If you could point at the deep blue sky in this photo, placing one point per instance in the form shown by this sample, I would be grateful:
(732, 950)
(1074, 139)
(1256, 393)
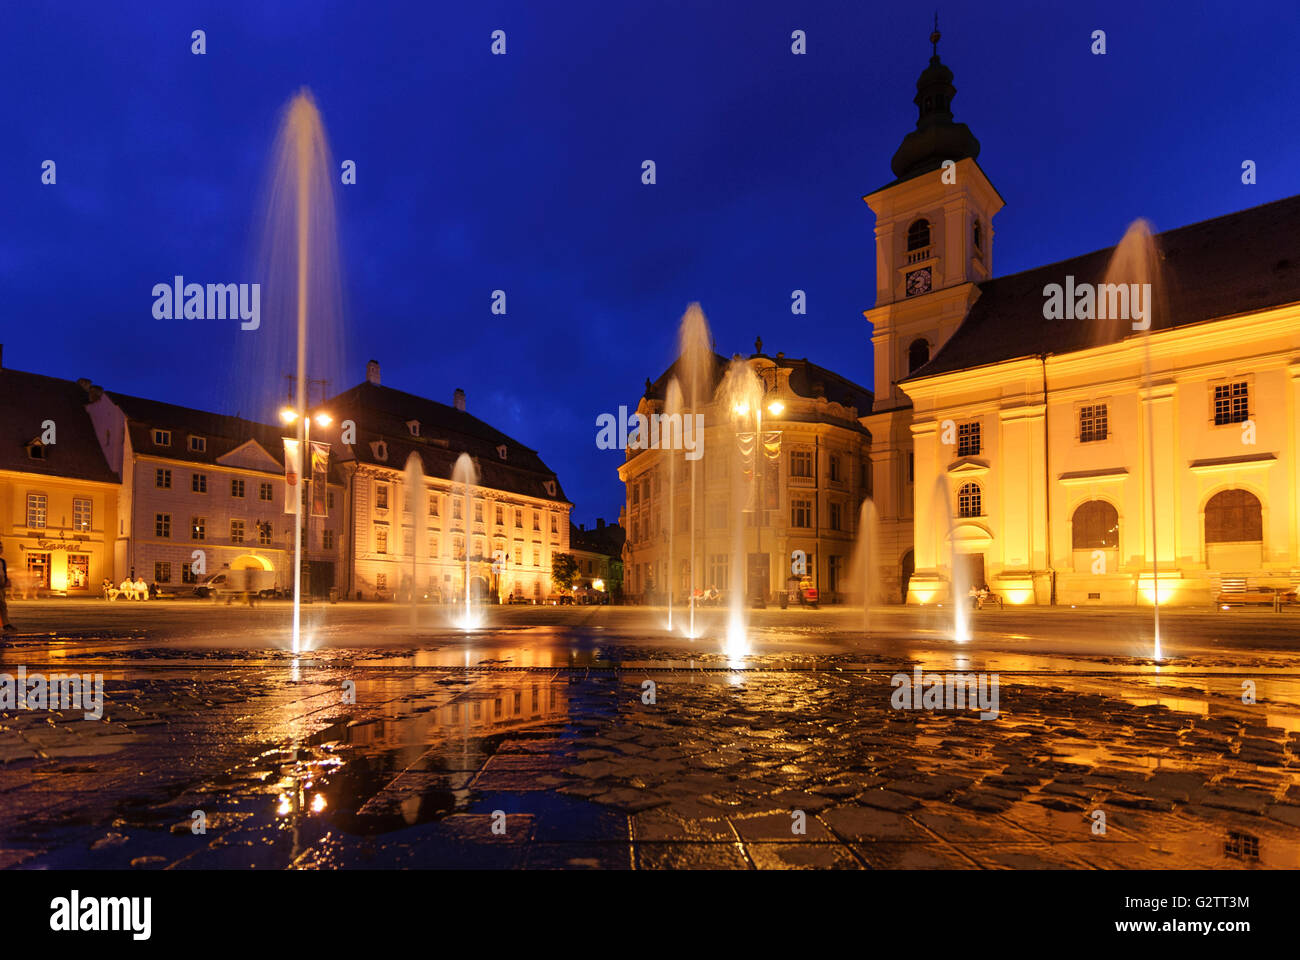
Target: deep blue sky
(522, 172)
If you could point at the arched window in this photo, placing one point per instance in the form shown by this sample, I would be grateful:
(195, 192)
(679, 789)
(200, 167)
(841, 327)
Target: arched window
(918, 235)
(1234, 516)
(969, 500)
(979, 239)
(1095, 526)
(918, 354)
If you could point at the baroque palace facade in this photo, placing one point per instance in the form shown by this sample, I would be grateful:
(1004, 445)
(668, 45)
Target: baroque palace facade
(1056, 461)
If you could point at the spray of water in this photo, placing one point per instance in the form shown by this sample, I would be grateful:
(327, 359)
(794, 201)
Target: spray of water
(464, 477)
(862, 569)
(415, 506)
(742, 393)
(696, 365)
(673, 408)
(957, 571)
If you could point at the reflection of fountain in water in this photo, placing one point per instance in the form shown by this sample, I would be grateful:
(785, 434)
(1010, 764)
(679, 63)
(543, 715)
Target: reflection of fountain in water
(696, 360)
(958, 587)
(742, 393)
(1136, 261)
(669, 444)
(862, 570)
(465, 475)
(415, 505)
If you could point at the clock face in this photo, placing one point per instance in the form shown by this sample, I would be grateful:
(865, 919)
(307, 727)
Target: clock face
(918, 281)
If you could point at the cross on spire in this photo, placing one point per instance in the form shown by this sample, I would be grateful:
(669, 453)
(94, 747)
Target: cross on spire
(934, 37)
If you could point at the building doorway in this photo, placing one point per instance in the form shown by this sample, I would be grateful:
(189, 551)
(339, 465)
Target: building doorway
(971, 567)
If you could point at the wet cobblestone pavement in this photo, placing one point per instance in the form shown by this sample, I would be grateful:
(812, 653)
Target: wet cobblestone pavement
(494, 764)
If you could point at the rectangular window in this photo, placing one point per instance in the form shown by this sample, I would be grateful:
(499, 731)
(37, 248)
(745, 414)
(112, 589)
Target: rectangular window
(836, 517)
(478, 511)
(162, 438)
(537, 520)
(81, 510)
(519, 556)
(38, 570)
(501, 515)
(719, 571)
(327, 539)
(236, 531)
(835, 468)
(78, 571)
(329, 500)
(1094, 423)
(199, 483)
(433, 504)
(236, 487)
(801, 463)
(968, 439)
(36, 510)
(264, 533)
(162, 479)
(162, 571)
(187, 573)
(537, 558)
(198, 528)
(834, 571)
(265, 492)
(457, 508)
(162, 525)
(381, 581)
(801, 513)
(198, 444)
(519, 519)
(1231, 402)
(381, 496)
(433, 545)
(381, 539)
(555, 524)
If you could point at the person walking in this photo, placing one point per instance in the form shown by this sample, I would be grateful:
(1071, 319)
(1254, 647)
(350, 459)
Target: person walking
(5, 624)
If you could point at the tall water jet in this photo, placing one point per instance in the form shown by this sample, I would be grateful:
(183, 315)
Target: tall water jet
(958, 587)
(299, 276)
(696, 359)
(1135, 264)
(862, 569)
(742, 392)
(415, 505)
(669, 445)
(465, 476)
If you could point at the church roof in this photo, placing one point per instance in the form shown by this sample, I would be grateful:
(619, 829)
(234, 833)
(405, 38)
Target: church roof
(1239, 263)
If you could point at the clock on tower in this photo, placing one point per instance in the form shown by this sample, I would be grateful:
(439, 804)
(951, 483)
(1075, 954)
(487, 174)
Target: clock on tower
(918, 282)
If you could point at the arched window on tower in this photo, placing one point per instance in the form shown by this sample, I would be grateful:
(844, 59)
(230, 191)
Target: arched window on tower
(1234, 516)
(969, 500)
(918, 355)
(979, 239)
(918, 235)
(1095, 526)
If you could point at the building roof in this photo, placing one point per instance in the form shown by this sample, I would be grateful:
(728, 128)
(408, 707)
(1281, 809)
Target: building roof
(1238, 263)
(222, 433)
(606, 539)
(382, 413)
(29, 399)
(807, 379)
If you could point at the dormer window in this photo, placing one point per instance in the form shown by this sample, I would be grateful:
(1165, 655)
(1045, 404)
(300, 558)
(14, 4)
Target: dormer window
(414, 427)
(36, 450)
(379, 450)
(918, 235)
(550, 487)
(501, 451)
(198, 444)
(162, 438)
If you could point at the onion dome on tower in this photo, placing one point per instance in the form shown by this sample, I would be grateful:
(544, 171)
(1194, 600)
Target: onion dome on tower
(936, 138)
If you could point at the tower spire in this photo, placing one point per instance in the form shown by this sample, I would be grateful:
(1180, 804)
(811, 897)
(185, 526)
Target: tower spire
(934, 37)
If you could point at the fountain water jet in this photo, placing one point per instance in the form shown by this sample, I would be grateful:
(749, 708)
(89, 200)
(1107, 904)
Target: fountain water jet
(1136, 261)
(673, 408)
(957, 574)
(863, 571)
(696, 358)
(415, 504)
(465, 474)
(742, 392)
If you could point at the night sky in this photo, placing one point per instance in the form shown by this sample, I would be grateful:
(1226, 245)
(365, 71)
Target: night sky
(523, 172)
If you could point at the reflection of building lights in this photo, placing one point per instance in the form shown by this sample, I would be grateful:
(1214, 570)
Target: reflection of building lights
(285, 806)
(598, 584)
(776, 408)
(318, 803)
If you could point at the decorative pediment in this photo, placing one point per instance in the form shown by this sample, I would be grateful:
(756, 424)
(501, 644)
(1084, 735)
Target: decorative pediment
(1252, 461)
(1107, 475)
(968, 467)
(250, 455)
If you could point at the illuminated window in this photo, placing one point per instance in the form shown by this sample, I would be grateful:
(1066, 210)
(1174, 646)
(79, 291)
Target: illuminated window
(1094, 423)
(969, 500)
(81, 510)
(264, 533)
(381, 539)
(198, 528)
(381, 496)
(968, 439)
(1231, 402)
(36, 509)
(801, 463)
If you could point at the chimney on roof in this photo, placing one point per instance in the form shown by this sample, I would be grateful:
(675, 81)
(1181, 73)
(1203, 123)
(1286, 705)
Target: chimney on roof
(458, 399)
(600, 523)
(95, 392)
(372, 372)
(83, 383)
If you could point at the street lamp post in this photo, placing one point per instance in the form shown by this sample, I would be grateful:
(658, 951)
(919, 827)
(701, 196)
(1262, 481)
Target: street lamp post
(299, 416)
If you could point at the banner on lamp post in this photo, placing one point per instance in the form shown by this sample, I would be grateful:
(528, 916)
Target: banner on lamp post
(292, 481)
(320, 458)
